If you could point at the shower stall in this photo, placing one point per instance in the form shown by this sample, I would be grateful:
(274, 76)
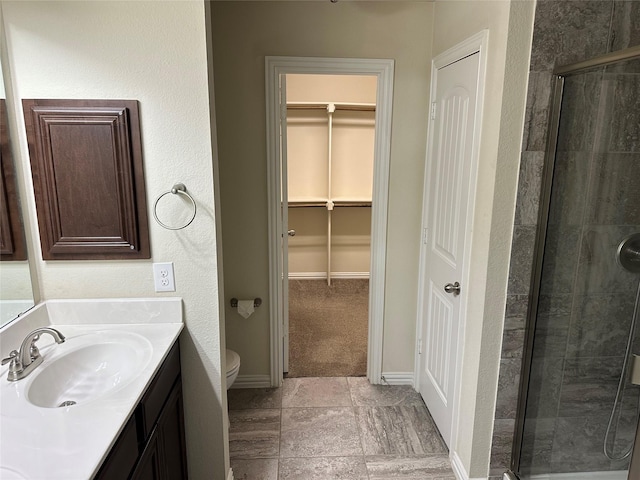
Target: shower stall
(578, 407)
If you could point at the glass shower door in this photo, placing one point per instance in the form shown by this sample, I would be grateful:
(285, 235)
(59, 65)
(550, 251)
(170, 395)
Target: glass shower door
(581, 409)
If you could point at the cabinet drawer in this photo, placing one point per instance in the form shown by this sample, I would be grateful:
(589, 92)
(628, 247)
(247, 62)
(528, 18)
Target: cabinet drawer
(156, 396)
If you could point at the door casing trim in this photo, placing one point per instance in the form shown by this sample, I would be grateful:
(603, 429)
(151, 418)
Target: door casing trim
(383, 69)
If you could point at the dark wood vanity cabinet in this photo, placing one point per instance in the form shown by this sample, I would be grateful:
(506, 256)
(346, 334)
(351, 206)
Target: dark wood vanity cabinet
(152, 444)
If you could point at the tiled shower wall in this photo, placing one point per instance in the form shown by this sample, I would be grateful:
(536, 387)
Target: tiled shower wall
(565, 32)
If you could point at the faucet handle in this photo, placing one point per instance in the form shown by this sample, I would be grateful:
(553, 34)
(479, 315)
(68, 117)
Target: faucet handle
(13, 355)
(15, 367)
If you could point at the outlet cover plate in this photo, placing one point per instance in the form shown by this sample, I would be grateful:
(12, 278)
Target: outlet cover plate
(163, 278)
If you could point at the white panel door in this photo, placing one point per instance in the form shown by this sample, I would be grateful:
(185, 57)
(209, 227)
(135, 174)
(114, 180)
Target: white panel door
(448, 184)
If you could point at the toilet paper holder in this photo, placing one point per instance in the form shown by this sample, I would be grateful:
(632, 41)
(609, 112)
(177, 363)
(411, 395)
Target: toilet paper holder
(256, 302)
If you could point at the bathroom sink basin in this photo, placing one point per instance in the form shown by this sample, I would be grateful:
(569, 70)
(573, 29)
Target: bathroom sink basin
(7, 473)
(90, 369)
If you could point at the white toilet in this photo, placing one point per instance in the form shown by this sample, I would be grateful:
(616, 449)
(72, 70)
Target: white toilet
(233, 367)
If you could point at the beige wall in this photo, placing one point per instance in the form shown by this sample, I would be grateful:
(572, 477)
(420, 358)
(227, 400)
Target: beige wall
(243, 34)
(510, 30)
(154, 52)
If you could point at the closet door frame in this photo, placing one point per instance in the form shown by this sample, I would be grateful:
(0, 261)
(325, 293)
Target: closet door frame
(383, 69)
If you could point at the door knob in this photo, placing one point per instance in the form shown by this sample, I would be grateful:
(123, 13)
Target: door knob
(291, 233)
(452, 288)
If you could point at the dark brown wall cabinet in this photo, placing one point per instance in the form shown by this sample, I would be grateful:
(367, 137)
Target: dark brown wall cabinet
(12, 242)
(152, 443)
(86, 160)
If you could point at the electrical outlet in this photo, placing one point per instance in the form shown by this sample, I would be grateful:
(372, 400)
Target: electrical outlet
(163, 277)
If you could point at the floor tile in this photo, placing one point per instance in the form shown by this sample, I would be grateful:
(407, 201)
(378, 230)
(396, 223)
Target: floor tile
(323, 468)
(255, 469)
(432, 467)
(254, 433)
(316, 392)
(244, 398)
(398, 430)
(319, 432)
(363, 394)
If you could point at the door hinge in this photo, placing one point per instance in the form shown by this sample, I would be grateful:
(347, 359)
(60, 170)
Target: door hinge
(425, 235)
(419, 346)
(433, 111)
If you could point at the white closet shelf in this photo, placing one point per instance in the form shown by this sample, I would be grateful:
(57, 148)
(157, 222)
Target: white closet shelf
(364, 107)
(323, 203)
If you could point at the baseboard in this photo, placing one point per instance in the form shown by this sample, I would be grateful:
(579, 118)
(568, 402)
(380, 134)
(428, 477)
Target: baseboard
(230, 475)
(614, 475)
(323, 275)
(459, 470)
(252, 381)
(397, 378)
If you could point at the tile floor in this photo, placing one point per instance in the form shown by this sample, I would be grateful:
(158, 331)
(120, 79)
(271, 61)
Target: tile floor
(334, 428)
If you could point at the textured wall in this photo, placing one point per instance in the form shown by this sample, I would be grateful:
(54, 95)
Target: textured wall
(564, 33)
(154, 52)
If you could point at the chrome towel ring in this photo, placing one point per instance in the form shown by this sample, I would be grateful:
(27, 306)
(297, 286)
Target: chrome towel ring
(177, 189)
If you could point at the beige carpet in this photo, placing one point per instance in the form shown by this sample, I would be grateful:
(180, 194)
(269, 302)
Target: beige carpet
(328, 328)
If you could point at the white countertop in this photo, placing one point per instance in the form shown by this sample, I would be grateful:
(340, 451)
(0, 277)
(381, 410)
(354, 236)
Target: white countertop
(71, 443)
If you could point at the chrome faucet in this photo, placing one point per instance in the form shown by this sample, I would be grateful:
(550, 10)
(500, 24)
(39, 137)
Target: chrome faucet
(23, 362)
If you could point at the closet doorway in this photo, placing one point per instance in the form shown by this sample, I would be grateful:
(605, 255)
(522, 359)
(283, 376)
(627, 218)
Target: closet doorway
(328, 132)
(330, 141)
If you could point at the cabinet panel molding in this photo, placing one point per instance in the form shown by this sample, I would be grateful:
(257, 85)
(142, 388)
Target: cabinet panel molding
(86, 161)
(12, 241)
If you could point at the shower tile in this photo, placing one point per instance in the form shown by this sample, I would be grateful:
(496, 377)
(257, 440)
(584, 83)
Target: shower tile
(561, 256)
(598, 271)
(615, 187)
(516, 311)
(537, 111)
(363, 394)
(555, 305)
(403, 430)
(334, 468)
(589, 386)
(600, 326)
(249, 398)
(545, 380)
(423, 467)
(529, 183)
(521, 259)
(512, 342)
(566, 32)
(570, 181)
(255, 469)
(502, 443)
(551, 336)
(254, 433)
(625, 25)
(315, 392)
(319, 432)
(578, 445)
(580, 108)
(508, 385)
(537, 445)
(625, 115)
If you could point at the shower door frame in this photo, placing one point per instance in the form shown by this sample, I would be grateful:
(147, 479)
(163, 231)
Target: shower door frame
(541, 234)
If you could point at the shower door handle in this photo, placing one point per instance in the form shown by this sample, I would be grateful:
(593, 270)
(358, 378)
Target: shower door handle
(453, 288)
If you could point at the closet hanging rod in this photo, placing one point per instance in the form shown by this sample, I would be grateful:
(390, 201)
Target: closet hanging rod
(345, 203)
(363, 107)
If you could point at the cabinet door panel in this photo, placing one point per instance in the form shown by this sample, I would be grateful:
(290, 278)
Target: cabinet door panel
(171, 437)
